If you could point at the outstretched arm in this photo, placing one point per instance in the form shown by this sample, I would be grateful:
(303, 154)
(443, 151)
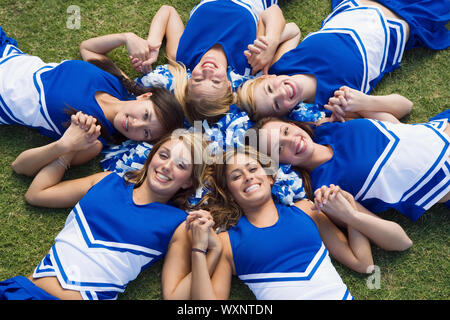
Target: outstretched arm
(177, 279)
(271, 25)
(47, 190)
(84, 142)
(165, 24)
(386, 234)
(347, 101)
(352, 250)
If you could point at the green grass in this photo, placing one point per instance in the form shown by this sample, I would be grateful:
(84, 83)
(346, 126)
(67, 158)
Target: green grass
(27, 233)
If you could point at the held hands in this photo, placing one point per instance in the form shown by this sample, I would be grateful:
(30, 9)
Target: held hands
(203, 235)
(335, 202)
(260, 54)
(81, 134)
(346, 100)
(142, 53)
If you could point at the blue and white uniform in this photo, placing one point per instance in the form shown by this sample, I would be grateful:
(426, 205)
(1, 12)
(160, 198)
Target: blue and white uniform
(230, 23)
(108, 240)
(37, 94)
(405, 167)
(285, 261)
(356, 46)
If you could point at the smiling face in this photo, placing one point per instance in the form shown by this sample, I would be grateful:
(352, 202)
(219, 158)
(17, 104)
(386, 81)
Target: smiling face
(247, 181)
(137, 120)
(294, 145)
(209, 77)
(277, 95)
(170, 169)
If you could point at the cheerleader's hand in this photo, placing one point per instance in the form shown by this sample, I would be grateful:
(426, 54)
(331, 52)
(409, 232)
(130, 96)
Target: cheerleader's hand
(82, 133)
(153, 56)
(335, 202)
(138, 50)
(260, 54)
(200, 223)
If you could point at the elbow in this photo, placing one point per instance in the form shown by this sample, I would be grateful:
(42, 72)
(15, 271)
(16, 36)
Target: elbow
(404, 245)
(17, 168)
(31, 198)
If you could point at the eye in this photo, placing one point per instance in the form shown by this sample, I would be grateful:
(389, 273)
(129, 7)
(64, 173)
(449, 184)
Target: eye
(163, 155)
(146, 134)
(253, 169)
(280, 149)
(285, 131)
(146, 115)
(197, 80)
(235, 177)
(269, 88)
(277, 106)
(216, 81)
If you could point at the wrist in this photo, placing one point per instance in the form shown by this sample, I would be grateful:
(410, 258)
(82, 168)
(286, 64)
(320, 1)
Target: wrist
(199, 251)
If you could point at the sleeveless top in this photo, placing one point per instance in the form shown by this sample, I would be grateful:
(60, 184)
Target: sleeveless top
(108, 240)
(287, 260)
(385, 166)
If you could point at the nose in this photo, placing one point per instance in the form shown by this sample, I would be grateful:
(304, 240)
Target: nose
(208, 73)
(248, 176)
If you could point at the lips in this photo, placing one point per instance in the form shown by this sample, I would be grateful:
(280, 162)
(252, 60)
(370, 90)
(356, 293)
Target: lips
(290, 90)
(161, 177)
(251, 188)
(301, 146)
(209, 64)
(125, 122)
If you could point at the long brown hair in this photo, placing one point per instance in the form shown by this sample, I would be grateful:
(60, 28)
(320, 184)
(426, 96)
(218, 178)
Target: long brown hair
(225, 211)
(304, 174)
(167, 108)
(196, 144)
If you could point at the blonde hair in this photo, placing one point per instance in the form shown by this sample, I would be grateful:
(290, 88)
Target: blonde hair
(198, 108)
(225, 211)
(195, 142)
(246, 97)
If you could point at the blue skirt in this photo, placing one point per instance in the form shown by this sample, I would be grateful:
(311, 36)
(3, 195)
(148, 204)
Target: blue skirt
(20, 288)
(426, 19)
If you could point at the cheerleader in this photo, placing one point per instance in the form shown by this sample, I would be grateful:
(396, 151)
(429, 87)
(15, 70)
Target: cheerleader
(359, 42)
(118, 227)
(43, 96)
(279, 252)
(383, 165)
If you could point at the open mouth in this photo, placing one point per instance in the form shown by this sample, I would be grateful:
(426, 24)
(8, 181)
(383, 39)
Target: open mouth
(125, 123)
(209, 64)
(161, 177)
(300, 146)
(290, 90)
(251, 188)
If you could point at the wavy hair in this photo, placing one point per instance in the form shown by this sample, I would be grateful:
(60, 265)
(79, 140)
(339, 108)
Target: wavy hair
(196, 144)
(224, 209)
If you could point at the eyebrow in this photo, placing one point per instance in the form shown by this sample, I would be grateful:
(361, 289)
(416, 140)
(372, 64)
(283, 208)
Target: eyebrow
(247, 165)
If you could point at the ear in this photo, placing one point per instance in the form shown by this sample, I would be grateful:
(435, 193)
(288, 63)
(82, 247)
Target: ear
(272, 180)
(144, 96)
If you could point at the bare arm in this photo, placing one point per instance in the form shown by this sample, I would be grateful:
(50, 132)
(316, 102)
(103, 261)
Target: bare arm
(385, 108)
(81, 141)
(352, 250)
(219, 286)
(165, 24)
(386, 234)
(177, 279)
(271, 25)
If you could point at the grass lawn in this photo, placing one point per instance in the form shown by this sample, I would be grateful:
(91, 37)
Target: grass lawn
(27, 232)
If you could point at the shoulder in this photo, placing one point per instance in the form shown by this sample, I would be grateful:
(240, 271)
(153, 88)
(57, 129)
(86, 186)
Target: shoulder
(308, 207)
